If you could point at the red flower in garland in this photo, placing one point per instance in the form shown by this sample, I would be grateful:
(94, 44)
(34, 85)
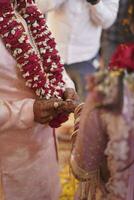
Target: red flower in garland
(4, 5)
(44, 42)
(123, 58)
(41, 69)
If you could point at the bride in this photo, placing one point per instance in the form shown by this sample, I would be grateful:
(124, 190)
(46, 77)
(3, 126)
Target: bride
(103, 153)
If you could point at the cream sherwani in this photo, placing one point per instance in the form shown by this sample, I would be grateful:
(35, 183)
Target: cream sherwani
(28, 165)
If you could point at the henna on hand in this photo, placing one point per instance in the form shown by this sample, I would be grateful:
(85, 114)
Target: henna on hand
(44, 110)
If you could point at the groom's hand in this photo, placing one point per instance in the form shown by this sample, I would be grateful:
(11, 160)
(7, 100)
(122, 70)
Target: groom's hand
(46, 110)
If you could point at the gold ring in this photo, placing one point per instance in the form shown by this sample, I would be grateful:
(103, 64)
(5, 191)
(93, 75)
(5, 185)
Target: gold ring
(56, 105)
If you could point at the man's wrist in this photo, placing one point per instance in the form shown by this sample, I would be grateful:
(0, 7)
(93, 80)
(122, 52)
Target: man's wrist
(93, 2)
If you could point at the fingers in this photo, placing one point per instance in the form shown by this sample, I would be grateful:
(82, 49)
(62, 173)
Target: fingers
(53, 104)
(75, 97)
(71, 97)
(46, 110)
(70, 94)
(44, 117)
(41, 114)
(45, 120)
(69, 106)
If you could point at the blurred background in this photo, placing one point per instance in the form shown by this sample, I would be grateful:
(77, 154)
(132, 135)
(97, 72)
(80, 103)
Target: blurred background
(87, 33)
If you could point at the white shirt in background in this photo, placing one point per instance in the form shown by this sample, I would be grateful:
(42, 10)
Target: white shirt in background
(77, 25)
